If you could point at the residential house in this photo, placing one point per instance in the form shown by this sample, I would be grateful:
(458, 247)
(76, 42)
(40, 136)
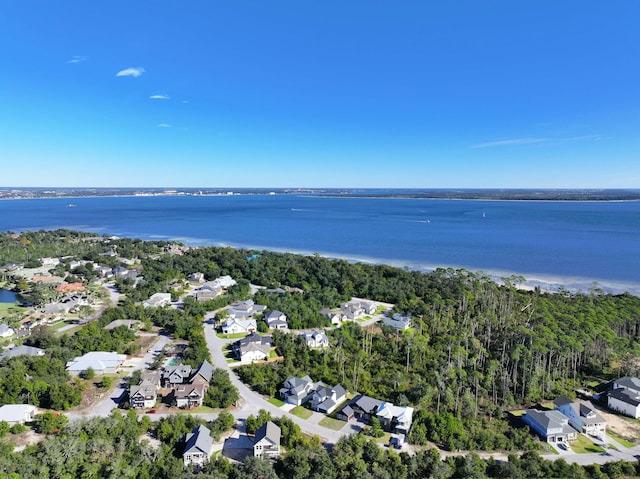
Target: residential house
(6, 331)
(22, 351)
(625, 396)
(552, 426)
(625, 401)
(365, 407)
(178, 374)
(352, 310)
(398, 321)
(245, 309)
(326, 399)
(144, 395)
(157, 300)
(239, 326)
(297, 390)
(203, 374)
(70, 288)
(17, 413)
(266, 443)
(315, 339)
(276, 320)
(346, 414)
(189, 395)
(196, 278)
(369, 307)
(396, 419)
(101, 362)
(198, 448)
(208, 291)
(582, 416)
(336, 317)
(225, 282)
(252, 347)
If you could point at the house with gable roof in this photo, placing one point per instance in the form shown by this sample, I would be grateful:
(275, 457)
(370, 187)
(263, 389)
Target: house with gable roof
(238, 326)
(297, 390)
(198, 448)
(336, 317)
(178, 374)
(552, 426)
(189, 395)
(276, 320)
(266, 442)
(252, 347)
(144, 395)
(582, 416)
(203, 374)
(625, 396)
(315, 339)
(326, 399)
(398, 321)
(396, 419)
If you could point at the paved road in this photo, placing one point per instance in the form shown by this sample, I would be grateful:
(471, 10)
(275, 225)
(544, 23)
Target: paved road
(252, 402)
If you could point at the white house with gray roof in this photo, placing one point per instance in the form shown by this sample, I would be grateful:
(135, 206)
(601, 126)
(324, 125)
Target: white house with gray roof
(198, 448)
(266, 442)
(315, 339)
(276, 320)
(552, 426)
(296, 390)
(582, 416)
(625, 396)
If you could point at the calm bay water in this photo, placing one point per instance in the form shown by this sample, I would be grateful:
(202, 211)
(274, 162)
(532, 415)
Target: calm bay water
(550, 243)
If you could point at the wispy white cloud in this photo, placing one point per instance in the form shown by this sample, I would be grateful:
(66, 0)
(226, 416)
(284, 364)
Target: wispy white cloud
(159, 97)
(530, 141)
(131, 72)
(77, 59)
(164, 125)
(510, 142)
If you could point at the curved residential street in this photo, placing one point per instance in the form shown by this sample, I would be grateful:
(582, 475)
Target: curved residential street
(252, 402)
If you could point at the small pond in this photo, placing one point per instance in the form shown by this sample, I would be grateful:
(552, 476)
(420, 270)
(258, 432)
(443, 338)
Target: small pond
(7, 296)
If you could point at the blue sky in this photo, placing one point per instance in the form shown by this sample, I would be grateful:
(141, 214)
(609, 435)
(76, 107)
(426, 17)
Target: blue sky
(542, 94)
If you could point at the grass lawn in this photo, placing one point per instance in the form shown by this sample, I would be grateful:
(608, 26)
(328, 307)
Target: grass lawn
(620, 440)
(70, 331)
(275, 402)
(584, 445)
(333, 424)
(301, 412)
(59, 324)
(231, 336)
(384, 439)
(518, 412)
(199, 410)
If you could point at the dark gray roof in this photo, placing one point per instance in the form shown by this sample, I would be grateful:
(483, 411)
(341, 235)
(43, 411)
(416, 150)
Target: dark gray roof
(205, 370)
(562, 400)
(626, 396)
(270, 431)
(367, 403)
(629, 382)
(199, 439)
(347, 410)
(339, 390)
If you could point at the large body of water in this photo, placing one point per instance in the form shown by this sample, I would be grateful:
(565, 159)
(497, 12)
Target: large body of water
(552, 244)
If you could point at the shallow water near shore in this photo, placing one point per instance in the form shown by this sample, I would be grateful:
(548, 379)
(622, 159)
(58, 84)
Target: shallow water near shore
(552, 244)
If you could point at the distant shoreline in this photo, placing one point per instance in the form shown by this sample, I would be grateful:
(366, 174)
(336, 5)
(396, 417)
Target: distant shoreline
(484, 194)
